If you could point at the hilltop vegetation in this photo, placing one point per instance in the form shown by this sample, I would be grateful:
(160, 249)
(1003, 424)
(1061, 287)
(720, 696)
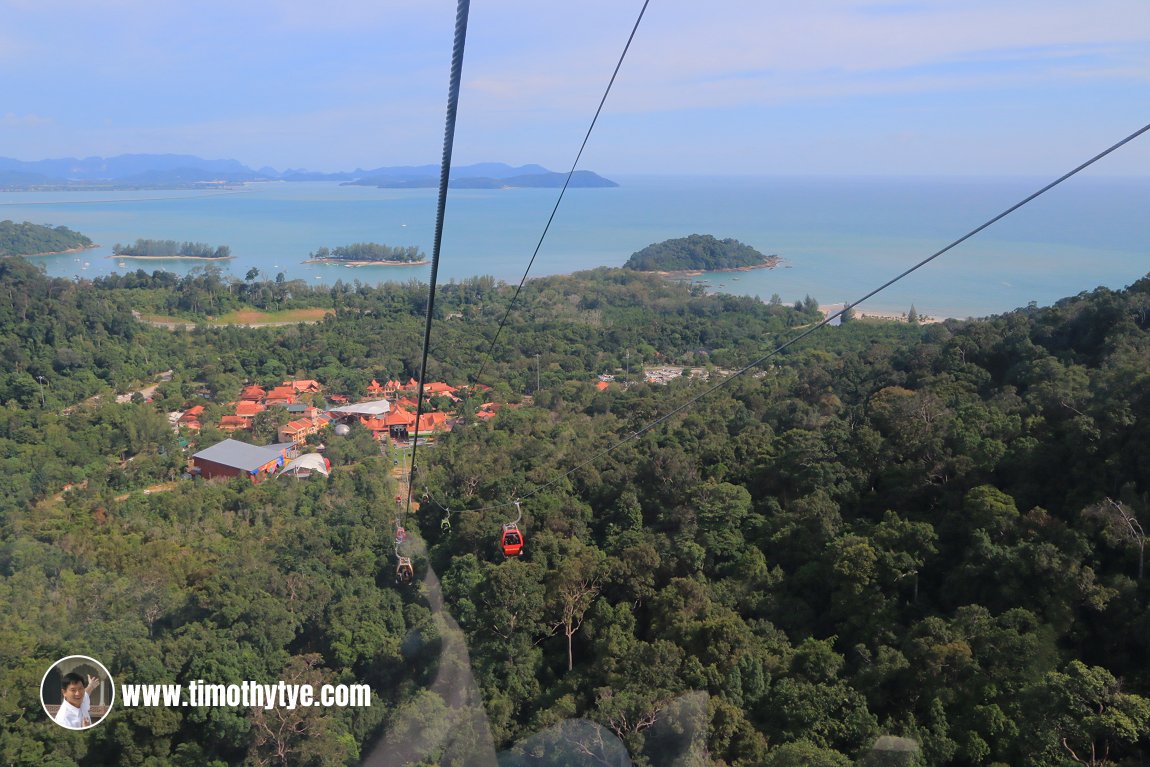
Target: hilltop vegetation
(171, 249)
(28, 239)
(697, 252)
(370, 251)
(932, 533)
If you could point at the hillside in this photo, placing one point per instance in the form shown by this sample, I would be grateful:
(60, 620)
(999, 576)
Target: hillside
(179, 171)
(28, 239)
(697, 252)
(893, 544)
(485, 176)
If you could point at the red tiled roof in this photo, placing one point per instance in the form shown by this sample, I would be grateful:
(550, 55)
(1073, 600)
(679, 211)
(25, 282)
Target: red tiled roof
(246, 409)
(233, 422)
(375, 424)
(399, 418)
(253, 393)
(432, 422)
(304, 385)
(279, 393)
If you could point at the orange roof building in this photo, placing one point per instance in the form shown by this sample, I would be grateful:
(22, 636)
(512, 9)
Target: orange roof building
(438, 387)
(305, 386)
(190, 418)
(298, 431)
(233, 422)
(280, 395)
(429, 422)
(253, 393)
(375, 425)
(399, 418)
(374, 387)
(247, 409)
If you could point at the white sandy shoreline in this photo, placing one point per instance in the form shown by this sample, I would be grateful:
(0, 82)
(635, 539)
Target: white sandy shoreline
(171, 258)
(876, 314)
(340, 261)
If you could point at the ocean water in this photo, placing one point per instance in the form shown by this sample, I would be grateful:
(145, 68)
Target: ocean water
(839, 237)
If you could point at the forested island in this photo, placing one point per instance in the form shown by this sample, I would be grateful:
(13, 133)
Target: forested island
(28, 239)
(169, 249)
(368, 254)
(896, 544)
(699, 253)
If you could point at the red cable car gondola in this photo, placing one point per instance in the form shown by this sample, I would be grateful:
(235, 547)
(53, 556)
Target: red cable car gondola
(512, 540)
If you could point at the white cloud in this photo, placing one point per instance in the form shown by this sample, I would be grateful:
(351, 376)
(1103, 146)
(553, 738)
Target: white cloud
(729, 52)
(11, 120)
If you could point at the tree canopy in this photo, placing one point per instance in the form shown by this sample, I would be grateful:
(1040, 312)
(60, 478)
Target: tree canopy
(28, 239)
(894, 544)
(172, 249)
(369, 251)
(701, 252)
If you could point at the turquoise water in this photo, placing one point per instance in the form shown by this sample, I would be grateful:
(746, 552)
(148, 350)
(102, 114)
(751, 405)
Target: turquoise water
(839, 237)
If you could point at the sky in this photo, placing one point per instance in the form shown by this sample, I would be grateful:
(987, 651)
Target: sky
(835, 87)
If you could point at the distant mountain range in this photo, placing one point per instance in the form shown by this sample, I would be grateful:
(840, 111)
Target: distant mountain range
(166, 171)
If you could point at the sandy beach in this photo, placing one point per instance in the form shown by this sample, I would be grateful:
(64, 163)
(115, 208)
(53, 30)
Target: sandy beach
(771, 263)
(338, 261)
(171, 258)
(862, 313)
(80, 249)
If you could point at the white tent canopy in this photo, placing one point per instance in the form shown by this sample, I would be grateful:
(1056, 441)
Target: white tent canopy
(375, 407)
(307, 462)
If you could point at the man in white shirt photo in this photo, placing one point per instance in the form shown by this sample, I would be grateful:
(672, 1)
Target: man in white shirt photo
(75, 713)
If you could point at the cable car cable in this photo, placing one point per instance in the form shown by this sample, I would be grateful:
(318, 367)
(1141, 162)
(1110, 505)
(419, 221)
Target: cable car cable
(827, 320)
(441, 205)
(562, 192)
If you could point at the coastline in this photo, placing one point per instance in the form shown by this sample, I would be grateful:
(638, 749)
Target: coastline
(338, 261)
(172, 258)
(772, 262)
(79, 249)
(874, 314)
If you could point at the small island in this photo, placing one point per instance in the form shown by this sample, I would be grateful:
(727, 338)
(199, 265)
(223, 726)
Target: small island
(368, 254)
(699, 253)
(170, 249)
(28, 239)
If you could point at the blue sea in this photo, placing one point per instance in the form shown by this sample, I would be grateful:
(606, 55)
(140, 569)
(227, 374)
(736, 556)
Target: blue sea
(839, 237)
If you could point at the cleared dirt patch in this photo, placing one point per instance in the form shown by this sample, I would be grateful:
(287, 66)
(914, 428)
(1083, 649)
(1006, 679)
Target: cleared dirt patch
(254, 317)
(251, 318)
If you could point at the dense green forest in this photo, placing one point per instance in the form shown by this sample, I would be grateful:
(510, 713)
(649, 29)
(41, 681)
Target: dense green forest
(696, 252)
(171, 249)
(893, 544)
(369, 251)
(28, 239)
